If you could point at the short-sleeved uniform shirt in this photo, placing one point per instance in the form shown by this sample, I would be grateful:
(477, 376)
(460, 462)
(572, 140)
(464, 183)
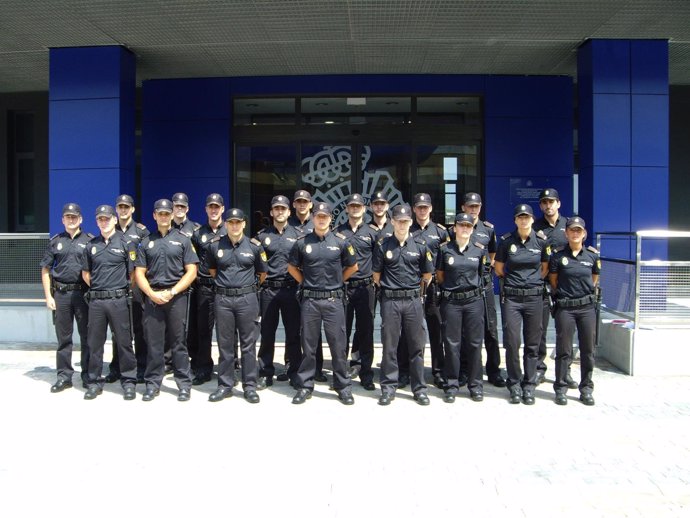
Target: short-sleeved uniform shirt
(277, 246)
(363, 240)
(385, 231)
(201, 239)
(555, 235)
(433, 235)
(134, 232)
(63, 256)
(462, 269)
(485, 234)
(165, 257)
(575, 272)
(305, 228)
(523, 260)
(401, 266)
(187, 227)
(322, 260)
(109, 264)
(236, 264)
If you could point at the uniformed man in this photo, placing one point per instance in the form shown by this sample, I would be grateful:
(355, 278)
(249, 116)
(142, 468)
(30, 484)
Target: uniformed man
(134, 232)
(321, 262)
(360, 287)
(522, 263)
(574, 274)
(552, 224)
(485, 234)
(166, 266)
(278, 295)
(379, 209)
(302, 204)
(235, 262)
(433, 234)
(106, 267)
(402, 264)
(64, 289)
(187, 227)
(201, 359)
(460, 266)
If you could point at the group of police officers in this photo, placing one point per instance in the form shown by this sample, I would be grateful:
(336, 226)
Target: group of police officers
(162, 292)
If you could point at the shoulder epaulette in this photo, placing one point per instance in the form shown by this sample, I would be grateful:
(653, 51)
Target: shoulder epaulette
(592, 249)
(506, 235)
(214, 239)
(479, 245)
(487, 224)
(373, 227)
(53, 237)
(302, 236)
(445, 243)
(420, 240)
(556, 250)
(141, 226)
(541, 235)
(255, 241)
(90, 235)
(440, 226)
(340, 235)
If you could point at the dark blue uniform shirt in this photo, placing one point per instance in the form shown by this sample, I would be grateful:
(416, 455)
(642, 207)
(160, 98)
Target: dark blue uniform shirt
(401, 267)
(109, 263)
(322, 260)
(363, 240)
(187, 227)
(522, 260)
(433, 234)
(63, 256)
(462, 269)
(133, 232)
(277, 246)
(305, 228)
(555, 236)
(201, 239)
(575, 272)
(237, 264)
(165, 257)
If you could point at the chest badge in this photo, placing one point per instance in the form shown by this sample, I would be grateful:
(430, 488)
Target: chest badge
(267, 241)
(220, 253)
(308, 249)
(451, 260)
(513, 249)
(59, 246)
(204, 238)
(150, 244)
(389, 255)
(93, 250)
(428, 256)
(564, 261)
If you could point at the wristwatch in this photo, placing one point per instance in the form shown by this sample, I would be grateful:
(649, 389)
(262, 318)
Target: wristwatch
(173, 292)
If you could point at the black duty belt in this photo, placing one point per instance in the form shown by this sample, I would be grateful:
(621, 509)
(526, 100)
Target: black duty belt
(235, 292)
(461, 295)
(108, 294)
(360, 282)
(488, 277)
(318, 294)
(59, 286)
(401, 294)
(517, 292)
(159, 287)
(279, 284)
(574, 303)
(205, 281)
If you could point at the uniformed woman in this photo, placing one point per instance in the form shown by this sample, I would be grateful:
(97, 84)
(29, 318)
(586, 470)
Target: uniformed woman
(522, 263)
(573, 274)
(459, 269)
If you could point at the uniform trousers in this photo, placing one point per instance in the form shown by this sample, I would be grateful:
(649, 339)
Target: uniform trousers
(237, 315)
(70, 306)
(164, 324)
(402, 315)
(277, 302)
(331, 314)
(113, 312)
(139, 340)
(201, 358)
(582, 318)
(546, 313)
(463, 332)
(522, 313)
(432, 315)
(493, 353)
(360, 308)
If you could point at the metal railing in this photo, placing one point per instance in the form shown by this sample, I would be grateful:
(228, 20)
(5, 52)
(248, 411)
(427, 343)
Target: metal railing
(20, 275)
(641, 287)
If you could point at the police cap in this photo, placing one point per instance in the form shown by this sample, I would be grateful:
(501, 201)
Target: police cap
(401, 212)
(302, 195)
(354, 199)
(215, 199)
(379, 196)
(162, 205)
(421, 199)
(472, 198)
(575, 221)
(280, 201)
(234, 214)
(124, 199)
(322, 208)
(105, 210)
(464, 219)
(523, 208)
(180, 198)
(549, 194)
(71, 209)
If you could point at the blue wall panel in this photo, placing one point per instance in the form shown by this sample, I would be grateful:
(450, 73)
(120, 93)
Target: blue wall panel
(85, 72)
(610, 66)
(611, 129)
(649, 194)
(186, 99)
(531, 96)
(612, 201)
(649, 67)
(650, 137)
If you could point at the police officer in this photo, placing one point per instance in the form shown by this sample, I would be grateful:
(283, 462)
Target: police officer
(187, 227)
(360, 287)
(166, 266)
(302, 204)
(459, 269)
(402, 264)
(522, 262)
(433, 234)
(379, 209)
(201, 359)
(278, 294)
(552, 224)
(234, 262)
(106, 267)
(64, 289)
(321, 262)
(134, 232)
(573, 274)
(485, 234)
